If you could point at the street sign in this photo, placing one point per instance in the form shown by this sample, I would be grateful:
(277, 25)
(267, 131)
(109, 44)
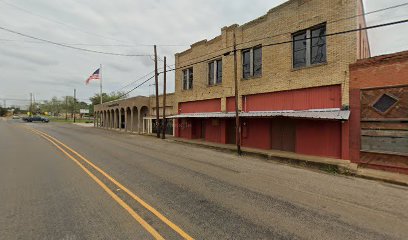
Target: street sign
(83, 110)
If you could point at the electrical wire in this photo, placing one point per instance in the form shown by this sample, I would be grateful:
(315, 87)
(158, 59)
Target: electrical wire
(333, 21)
(280, 34)
(72, 47)
(88, 32)
(292, 41)
(133, 82)
(125, 94)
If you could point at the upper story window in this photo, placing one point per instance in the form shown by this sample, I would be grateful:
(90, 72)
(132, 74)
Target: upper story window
(252, 62)
(215, 72)
(188, 78)
(309, 47)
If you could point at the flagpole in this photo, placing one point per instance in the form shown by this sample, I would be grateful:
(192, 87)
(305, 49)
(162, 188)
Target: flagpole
(100, 81)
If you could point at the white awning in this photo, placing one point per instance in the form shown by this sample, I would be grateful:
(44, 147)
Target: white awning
(328, 113)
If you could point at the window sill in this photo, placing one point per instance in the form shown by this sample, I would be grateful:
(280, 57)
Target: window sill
(185, 90)
(251, 77)
(214, 85)
(310, 66)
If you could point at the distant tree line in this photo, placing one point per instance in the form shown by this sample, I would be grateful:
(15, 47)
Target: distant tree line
(57, 106)
(3, 112)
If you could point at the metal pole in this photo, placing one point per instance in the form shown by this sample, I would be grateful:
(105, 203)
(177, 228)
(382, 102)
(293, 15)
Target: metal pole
(66, 108)
(100, 81)
(164, 101)
(73, 110)
(237, 124)
(31, 104)
(156, 80)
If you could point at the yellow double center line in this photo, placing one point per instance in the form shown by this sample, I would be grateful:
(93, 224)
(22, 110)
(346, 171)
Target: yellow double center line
(136, 216)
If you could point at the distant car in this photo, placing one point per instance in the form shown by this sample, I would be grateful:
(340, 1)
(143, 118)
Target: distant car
(36, 119)
(16, 117)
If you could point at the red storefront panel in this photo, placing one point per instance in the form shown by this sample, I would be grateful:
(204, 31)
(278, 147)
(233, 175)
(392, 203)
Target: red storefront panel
(301, 99)
(256, 133)
(230, 104)
(215, 130)
(211, 105)
(184, 129)
(319, 138)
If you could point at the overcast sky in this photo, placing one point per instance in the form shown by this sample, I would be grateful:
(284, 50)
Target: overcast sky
(46, 70)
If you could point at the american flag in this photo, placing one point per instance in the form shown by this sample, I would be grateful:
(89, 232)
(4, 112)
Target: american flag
(94, 76)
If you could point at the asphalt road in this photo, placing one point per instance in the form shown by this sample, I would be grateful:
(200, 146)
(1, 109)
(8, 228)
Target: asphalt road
(122, 186)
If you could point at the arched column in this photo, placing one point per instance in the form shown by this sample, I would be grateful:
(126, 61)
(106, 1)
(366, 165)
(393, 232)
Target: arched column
(131, 119)
(94, 119)
(128, 116)
(135, 119)
(144, 112)
(120, 119)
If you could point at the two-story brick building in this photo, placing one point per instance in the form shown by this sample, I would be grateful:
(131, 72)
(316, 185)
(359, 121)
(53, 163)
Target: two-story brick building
(293, 79)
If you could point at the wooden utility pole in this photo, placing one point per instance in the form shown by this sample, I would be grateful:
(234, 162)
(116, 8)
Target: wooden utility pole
(164, 101)
(74, 104)
(31, 104)
(100, 83)
(156, 81)
(66, 108)
(237, 123)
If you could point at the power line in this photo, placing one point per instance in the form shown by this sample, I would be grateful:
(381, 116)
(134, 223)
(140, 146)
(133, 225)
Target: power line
(127, 85)
(56, 21)
(334, 21)
(292, 41)
(280, 34)
(125, 94)
(89, 33)
(72, 47)
(94, 45)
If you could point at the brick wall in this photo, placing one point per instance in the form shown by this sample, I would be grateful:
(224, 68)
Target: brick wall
(277, 71)
(377, 72)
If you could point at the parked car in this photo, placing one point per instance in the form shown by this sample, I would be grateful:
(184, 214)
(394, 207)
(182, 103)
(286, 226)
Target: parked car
(36, 119)
(16, 117)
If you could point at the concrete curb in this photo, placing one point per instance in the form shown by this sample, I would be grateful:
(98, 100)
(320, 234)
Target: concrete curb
(340, 166)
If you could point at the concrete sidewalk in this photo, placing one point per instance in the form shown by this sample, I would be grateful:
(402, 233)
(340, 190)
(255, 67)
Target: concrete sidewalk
(84, 124)
(323, 163)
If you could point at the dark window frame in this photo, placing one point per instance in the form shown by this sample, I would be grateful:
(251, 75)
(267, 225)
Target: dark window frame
(211, 67)
(215, 74)
(309, 47)
(256, 72)
(246, 66)
(389, 108)
(188, 78)
(249, 68)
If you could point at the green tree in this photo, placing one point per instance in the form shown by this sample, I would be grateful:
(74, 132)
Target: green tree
(3, 111)
(107, 97)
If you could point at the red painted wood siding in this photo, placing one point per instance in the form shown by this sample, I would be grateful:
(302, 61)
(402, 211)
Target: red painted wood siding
(211, 105)
(301, 99)
(215, 130)
(184, 128)
(230, 104)
(318, 138)
(256, 133)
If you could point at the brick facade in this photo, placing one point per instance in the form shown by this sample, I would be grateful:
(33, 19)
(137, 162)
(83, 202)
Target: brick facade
(369, 79)
(277, 71)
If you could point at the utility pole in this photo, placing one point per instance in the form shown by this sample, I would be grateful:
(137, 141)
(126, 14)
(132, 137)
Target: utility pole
(164, 101)
(156, 80)
(100, 81)
(31, 104)
(66, 108)
(237, 124)
(73, 110)
(34, 105)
